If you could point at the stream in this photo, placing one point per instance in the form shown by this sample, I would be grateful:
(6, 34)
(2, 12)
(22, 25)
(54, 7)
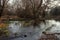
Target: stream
(19, 32)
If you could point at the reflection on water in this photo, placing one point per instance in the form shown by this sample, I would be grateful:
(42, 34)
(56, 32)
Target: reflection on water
(28, 33)
(14, 26)
(55, 26)
(31, 33)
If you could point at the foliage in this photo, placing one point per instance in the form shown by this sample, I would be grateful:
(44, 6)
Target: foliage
(3, 29)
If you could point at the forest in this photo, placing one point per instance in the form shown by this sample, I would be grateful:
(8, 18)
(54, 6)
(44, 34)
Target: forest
(28, 13)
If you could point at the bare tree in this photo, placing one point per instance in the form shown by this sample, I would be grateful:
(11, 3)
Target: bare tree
(3, 3)
(2, 6)
(33, 9)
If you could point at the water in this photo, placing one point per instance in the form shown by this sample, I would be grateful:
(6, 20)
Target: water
(31, 33)
(14, 26)
(25, 33)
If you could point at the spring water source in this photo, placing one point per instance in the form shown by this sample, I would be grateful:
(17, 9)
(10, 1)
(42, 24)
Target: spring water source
(31, 33)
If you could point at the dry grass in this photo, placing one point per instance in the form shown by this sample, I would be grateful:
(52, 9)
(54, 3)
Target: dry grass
(3, 25)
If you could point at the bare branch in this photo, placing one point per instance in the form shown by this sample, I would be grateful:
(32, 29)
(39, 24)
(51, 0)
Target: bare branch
(39, 6)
